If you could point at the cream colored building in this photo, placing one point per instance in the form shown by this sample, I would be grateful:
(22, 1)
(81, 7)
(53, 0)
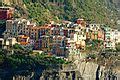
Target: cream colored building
(7, 43)
(77, 44)
(117, 36)
(80, 37)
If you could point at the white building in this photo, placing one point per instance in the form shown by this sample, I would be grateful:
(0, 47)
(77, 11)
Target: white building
(7, 43)
(77, 43)
(109, 43)
(94, 27)
(117, 36)
(80, 37)
(74, 53)
(112, 37)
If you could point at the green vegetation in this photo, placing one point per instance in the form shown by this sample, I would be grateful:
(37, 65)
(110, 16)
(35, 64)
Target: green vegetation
(93, 44)
(23, 63)
(91, 56)
(43, 11)
(38, 13)
(17, 46)
(1, 57)
(20, 64)
(118, 47)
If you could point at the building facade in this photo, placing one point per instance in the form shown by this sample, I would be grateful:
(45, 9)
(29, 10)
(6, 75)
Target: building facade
(6, 13)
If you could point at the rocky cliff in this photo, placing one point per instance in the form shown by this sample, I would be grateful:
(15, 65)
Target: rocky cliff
(90, 70)
(117, 3)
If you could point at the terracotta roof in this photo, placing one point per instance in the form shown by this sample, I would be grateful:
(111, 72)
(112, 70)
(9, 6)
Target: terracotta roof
(34, 27)
(23, 36)
(24, 43)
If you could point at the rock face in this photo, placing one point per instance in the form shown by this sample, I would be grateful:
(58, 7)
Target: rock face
(117, 2)
(91, 71)
(84, 71)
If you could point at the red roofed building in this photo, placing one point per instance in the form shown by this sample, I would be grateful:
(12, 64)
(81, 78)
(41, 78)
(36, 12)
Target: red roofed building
(6, 13)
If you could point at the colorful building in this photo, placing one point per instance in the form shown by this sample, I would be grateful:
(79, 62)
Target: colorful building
(17, 27)
(94, 29)
(6, 13)
(45, 43)
(44, 30)
(23, 40)
(109, 41)
(80, 37)
(55, 30)
(59, 45)
(101, 34)
(34, 33)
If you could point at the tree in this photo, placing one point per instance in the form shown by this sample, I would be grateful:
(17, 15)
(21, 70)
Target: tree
(43, 12)
(91, 56)
(1, 59)
(20, 64)
(17, 46)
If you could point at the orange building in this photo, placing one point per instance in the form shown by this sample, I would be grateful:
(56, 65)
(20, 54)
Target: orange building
(23, 40)
(94, 35)
(100, 34)
(80, 45)
(97, 35)
(88, 35)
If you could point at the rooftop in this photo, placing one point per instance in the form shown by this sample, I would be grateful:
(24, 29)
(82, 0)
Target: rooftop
(6, 8)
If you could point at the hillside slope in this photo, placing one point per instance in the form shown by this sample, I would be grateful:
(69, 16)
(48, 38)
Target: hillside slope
(42, 11)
